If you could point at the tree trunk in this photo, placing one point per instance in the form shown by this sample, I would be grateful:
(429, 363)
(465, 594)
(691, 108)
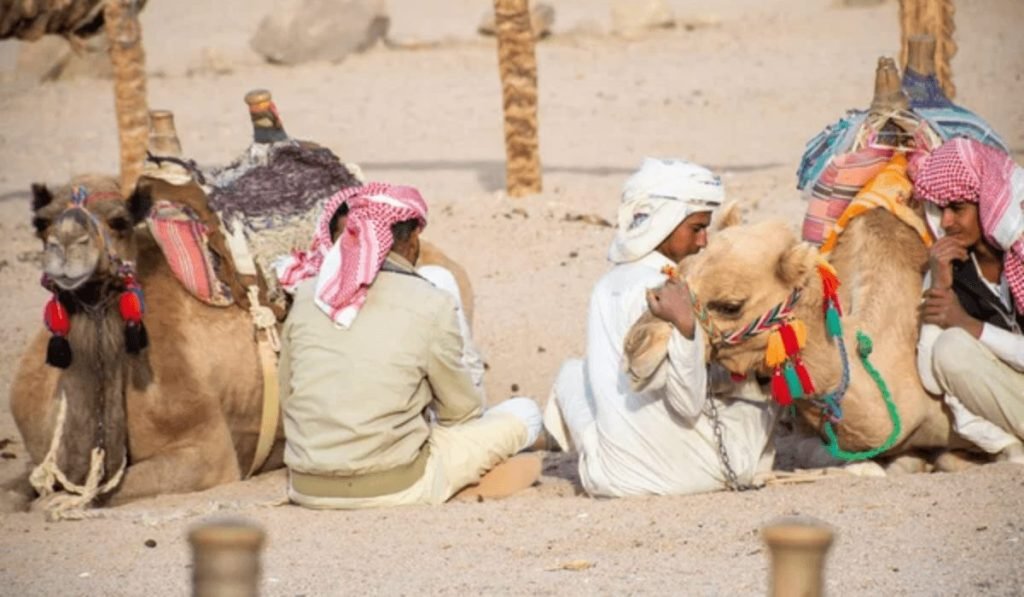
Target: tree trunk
(933, 17)
(518, 66)
(129, 61)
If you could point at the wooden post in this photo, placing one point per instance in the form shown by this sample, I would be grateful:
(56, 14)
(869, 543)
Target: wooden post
(517, 64)
(935, 18)
(889, 93)
(124, 34)
(226, 559)
(163, 137)
(797, 551)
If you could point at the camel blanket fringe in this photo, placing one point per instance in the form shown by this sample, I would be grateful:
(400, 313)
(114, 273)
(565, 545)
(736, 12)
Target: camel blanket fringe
(74, 498)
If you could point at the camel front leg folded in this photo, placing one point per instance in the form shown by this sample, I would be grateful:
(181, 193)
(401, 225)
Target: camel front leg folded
(194, 466)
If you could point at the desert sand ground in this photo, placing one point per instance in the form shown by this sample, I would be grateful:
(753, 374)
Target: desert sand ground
(739, 86)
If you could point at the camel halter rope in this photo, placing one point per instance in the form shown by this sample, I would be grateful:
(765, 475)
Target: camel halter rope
(75, 497)
(790, 378)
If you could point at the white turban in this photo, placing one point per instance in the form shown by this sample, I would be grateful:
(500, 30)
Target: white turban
(655, 199)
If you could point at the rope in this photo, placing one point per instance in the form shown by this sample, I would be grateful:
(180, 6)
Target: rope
(73, 497)
(864, 348)
(263, 318)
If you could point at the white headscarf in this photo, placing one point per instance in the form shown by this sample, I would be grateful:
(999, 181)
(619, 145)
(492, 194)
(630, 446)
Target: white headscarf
(655, 199)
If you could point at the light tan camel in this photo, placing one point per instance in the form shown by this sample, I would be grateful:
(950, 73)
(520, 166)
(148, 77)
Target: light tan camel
(747, 270)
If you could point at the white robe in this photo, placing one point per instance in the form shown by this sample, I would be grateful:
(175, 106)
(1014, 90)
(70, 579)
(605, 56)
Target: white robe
(658, 441)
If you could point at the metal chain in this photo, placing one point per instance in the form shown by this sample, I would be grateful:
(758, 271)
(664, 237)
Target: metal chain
(732, 482)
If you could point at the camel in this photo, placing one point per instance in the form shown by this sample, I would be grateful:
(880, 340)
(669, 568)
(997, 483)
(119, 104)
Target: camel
(174, 419)
(747, 270)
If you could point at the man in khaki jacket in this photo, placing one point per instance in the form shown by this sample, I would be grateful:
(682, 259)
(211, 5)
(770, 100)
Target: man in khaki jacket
(357, 390)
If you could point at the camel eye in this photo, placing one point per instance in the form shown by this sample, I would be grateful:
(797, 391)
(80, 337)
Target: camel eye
(727, 309)
(119, 224)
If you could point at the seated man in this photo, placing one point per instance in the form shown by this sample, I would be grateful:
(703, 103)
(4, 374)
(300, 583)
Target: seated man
(368, 346)
(661, 440)
(972, 348)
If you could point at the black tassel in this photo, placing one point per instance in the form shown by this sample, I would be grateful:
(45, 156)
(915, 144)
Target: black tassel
(58, 352)
(135, 337)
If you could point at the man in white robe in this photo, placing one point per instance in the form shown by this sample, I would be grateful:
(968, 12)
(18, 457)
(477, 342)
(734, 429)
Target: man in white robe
(661, 440)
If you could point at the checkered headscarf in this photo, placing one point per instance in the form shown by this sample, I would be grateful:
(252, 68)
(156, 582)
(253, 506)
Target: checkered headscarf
(967, 170)
(345, 269)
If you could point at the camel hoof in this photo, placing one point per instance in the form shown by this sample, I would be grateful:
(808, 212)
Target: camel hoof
(907, 464)
(14, 501)
(645, 348)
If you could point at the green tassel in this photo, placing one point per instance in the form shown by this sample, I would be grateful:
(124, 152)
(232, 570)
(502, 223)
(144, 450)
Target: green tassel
(796, 389)
(832, 322)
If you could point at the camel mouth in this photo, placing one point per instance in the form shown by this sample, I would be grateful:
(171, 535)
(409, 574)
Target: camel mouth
(70, 282)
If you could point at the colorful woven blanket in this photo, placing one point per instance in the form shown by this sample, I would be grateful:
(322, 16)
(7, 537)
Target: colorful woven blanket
(889, 189)
(185, 244)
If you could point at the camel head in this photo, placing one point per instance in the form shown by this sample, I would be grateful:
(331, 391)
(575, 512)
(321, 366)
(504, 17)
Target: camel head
(744, 272)
(86, 228)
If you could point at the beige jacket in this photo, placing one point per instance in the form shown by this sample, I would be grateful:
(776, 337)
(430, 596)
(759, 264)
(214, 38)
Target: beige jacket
(354, 399)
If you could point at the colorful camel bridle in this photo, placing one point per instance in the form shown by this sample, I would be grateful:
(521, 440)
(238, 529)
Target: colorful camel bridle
(790, 379)
(787, 336)
(131, 304)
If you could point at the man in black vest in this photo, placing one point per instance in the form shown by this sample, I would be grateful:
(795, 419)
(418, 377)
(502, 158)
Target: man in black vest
(976, 293)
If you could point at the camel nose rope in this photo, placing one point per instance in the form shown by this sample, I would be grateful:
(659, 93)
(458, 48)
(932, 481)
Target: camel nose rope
(73, 497)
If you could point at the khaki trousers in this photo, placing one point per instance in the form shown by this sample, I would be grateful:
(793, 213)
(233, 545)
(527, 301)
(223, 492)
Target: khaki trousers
(459, 456)
(987, 386)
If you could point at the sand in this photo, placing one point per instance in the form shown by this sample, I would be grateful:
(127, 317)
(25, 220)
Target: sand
(740, 88)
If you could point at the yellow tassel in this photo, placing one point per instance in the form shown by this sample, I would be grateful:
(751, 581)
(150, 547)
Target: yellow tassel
(775, 352)
(801, 332)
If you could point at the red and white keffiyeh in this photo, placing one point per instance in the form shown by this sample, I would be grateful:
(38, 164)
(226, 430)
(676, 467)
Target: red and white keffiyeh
(966, 170)
(345, 269)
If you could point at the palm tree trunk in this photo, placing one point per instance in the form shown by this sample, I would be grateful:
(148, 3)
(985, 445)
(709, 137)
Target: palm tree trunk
(517, 64)
(935, 18)
(129, 61)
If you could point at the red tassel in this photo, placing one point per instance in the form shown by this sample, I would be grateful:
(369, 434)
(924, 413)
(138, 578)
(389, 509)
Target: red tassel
(805, 377)
(780, 392)
(56, 318)
(130, 306)
(789, 340)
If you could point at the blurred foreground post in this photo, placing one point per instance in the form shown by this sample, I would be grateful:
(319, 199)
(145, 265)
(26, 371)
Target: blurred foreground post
(121, 20)
(226, 559)
(935, 18)
(797, 552)
(518, 66)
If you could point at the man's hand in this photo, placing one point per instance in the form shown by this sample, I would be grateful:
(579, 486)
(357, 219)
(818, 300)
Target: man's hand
(671, 303)
(941, 307)
(943, 253)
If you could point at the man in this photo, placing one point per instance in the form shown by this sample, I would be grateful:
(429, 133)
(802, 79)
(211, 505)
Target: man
(367, 348)
(661, 440)
(972, 346)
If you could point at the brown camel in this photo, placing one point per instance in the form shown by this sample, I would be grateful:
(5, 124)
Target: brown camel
(180, 420)
(747, 270)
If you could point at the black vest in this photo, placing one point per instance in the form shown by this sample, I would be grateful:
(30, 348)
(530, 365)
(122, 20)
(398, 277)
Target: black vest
(980, 302)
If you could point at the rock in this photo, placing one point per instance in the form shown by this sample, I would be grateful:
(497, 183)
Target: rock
(307, 30)
(635, 16)
(542, 18)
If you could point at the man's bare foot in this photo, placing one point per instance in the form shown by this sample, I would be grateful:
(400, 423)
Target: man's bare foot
(512, 476)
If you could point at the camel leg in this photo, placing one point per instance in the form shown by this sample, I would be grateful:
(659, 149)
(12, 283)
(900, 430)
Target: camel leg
(17, 494)
(196, 465)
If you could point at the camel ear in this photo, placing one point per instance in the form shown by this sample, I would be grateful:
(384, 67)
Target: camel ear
(41, 196)
(796, 263)
(140, 202)
(730, 215)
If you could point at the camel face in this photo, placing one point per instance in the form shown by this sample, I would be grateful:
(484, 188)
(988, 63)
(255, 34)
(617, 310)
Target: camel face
(84, 241)
(744, 272)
